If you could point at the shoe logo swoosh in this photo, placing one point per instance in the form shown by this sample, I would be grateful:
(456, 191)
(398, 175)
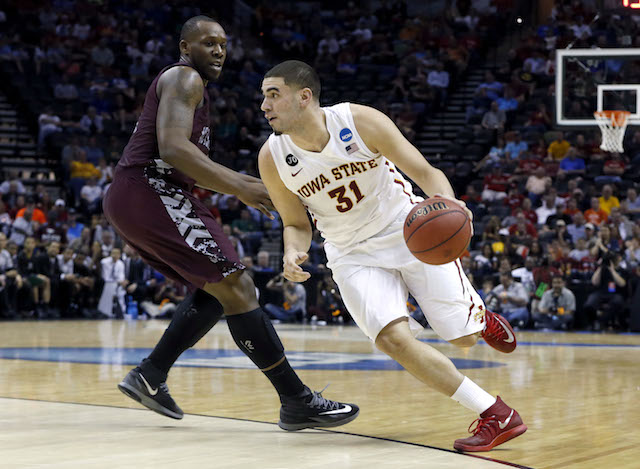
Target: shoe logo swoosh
(297, 172)
(152, 391)
(345, 410)
(502, 425)
(510, 337)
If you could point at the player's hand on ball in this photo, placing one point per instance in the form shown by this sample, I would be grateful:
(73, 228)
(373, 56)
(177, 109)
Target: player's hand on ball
(462, 204)
(292, 269)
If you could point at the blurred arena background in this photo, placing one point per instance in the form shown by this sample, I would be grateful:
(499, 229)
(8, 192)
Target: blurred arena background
(471, 83)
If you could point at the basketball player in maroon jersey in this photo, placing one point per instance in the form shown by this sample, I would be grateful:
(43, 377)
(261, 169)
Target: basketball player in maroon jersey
(151, 206)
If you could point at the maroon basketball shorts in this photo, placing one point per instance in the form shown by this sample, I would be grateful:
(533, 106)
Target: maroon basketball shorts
(171, 229)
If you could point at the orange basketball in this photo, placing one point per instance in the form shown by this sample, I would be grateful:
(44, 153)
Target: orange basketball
(437, 231)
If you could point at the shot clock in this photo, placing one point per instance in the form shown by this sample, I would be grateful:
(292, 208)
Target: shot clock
(620, 7)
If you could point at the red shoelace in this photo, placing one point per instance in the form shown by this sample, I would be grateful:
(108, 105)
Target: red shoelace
(483, 424)
(494, 329)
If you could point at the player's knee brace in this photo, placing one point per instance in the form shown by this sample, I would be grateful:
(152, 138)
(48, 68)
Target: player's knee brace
(255, 336)
(195, 316)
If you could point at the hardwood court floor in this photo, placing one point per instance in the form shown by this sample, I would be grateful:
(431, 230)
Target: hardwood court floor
(59, 407)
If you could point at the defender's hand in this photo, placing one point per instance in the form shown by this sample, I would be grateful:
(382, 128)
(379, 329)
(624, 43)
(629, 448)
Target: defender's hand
(256, 195)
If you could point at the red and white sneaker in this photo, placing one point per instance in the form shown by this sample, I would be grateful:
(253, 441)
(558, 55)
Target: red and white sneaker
(498, 333)
(496, 425)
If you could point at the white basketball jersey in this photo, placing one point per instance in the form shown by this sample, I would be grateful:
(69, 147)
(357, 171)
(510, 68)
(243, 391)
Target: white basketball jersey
(350, 192)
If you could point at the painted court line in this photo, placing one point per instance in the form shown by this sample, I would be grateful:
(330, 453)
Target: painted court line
(390, 440)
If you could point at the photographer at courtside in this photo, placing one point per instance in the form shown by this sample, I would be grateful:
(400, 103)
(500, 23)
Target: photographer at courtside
(556, 308)
(606, 303)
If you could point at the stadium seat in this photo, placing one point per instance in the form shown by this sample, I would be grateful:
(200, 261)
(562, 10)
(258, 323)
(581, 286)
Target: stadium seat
(501, 211)
(484, 137)
(463, 169)
(594, 169)
(550, 136)
(455, 149)
(465, 136)
(474, 152)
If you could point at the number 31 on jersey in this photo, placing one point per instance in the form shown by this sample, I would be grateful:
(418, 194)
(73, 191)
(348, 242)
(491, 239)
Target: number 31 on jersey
(345, 203)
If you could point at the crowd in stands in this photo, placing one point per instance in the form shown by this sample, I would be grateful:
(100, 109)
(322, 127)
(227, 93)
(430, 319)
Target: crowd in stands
(557, 241)
(81, 71)
(403, 64)
(553, 211)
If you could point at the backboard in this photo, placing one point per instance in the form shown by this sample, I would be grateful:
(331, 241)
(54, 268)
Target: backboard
(589, 80)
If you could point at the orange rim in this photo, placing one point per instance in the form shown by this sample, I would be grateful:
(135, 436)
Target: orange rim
(617, 118)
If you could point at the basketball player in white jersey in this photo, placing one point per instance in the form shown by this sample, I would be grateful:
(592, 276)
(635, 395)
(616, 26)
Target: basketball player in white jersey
(339, 164)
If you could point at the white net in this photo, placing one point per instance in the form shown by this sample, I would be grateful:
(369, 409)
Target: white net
(613, 125)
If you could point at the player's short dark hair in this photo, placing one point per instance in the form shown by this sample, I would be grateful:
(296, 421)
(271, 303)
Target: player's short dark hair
(191, 26)
(298, 74)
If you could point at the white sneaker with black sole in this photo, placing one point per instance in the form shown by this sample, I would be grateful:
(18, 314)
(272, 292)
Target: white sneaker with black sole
(158, 399)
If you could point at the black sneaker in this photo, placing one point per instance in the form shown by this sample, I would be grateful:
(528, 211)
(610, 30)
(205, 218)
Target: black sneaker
(158, 399)
(314, 411)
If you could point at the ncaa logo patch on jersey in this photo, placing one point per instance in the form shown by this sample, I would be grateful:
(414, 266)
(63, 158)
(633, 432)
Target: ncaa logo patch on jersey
(346, 135)
(291, 160)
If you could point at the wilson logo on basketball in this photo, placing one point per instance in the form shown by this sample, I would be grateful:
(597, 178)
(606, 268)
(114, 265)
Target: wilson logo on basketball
(426, 210)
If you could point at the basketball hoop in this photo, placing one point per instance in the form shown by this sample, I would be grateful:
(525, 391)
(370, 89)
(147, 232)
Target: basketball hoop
(613, 125)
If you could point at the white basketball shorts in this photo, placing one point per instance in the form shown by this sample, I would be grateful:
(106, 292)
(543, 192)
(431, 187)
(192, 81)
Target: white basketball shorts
(376, 276)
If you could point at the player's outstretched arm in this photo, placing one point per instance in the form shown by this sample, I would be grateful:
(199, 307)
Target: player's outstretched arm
(381, 134)
(180, 90)
(297, 229)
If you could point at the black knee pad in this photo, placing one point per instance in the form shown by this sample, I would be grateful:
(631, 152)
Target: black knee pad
(254, 334)
(195, 316)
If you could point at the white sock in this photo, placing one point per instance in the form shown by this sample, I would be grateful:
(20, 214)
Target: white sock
(473, 397)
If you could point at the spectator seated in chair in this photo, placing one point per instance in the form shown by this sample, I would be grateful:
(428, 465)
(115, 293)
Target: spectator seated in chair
(329, 306)
(558, 149)
(631, 205)
(247, 230)
(262, 263)
(495, 185)
(571, 165)
(39, 284)
(516, 147)
(510, 299)
(294, 307)
(614, 168)
(608, 200)
(556, 308)
(494, 158)
(494, 118)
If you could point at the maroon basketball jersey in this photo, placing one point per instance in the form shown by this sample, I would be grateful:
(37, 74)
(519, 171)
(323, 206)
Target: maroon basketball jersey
(142, 149)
